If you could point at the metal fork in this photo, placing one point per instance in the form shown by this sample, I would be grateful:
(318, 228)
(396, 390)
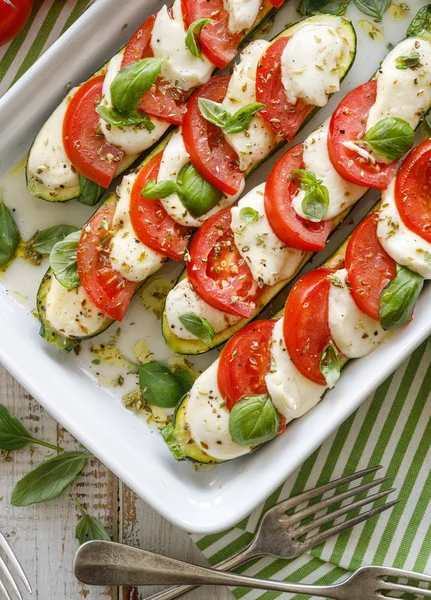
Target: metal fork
(5, 572)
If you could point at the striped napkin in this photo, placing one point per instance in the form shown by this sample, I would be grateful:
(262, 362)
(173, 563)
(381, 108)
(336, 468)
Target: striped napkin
(392, 428)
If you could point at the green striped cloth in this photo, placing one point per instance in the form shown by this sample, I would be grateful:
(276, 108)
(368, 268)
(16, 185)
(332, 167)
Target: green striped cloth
(392, 428)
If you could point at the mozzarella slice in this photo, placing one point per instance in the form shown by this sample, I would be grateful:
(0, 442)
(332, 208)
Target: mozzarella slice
(292, 394)
(310, 64)
(342, 194)
(403, 245)
(182, 299)
(207, 418)
(242, 14)
(270, 260)
(132, 139)
(354, 333)
(128, 255)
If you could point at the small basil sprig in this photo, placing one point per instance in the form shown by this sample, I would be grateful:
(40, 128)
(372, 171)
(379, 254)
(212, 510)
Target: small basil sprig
(254, 420)
(90, 192)
(330, 364)
(9, 235)
(315, 203)
(420, 26)
(161, 386)
(14, 436)
(45, 240)
(154, 190)
(248, 214)
(390, 138)
(398, 298)
(373, 8)
(329, 7)
(125, 119)
(49, 479)
(133, 81)
(198, 326)
(408, 62)
(88, 528)
(192, 37)
(217, 114)
(63, 261)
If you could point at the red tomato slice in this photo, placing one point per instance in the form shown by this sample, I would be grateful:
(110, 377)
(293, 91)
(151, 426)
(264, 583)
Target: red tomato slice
(217, 271)
(348, 122)
(139, 45)
(369, 266)
(305, 327)
(152, 224)
(413, 190)
(107, 289)
(289, 227)
(13, 17)
(209, 151)
(218, 44)
(86, 148)
(284, 118)
(277, 3)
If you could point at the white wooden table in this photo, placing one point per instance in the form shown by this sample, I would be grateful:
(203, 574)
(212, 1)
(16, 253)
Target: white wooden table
(43, 535)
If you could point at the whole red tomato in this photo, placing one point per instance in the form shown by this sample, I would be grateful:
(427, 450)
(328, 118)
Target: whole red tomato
(14, 14)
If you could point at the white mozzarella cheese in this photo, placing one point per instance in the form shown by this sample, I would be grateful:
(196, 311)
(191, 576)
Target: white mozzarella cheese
(269, 259)
(403, 245)
(292, 394)
(354, 333)
(242, 14)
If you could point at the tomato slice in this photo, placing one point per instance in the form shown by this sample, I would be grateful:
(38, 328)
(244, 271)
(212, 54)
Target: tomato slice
(217, 271)
(289, 227)
(369, 266)
(305, 327)
(284, 118)
(163, 100)
(86, 148)
(348, 122)
(150, 221)
(218, 44)
(413, 190)
(277, 3)
(107, 289)
(209, 151)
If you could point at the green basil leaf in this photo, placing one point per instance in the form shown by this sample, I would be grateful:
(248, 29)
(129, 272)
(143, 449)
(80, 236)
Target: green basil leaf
(192, 37)
(131, 83)
(129, 119)
(303, 178)
(88, 528)
(329, 7)
(13, 434)
(330, 365)
(421, 24)
(197, 195)
(315, 203)
(154, 190)
(373, 8)
(241, 119)
(45, 240)
(159, 385)
(49, 479)
(390, 137)
(254, 420)
(90, 192)
(198, 326)
(63, 261)
(398, 298)
(248, 214)
(213, 112)
(408, 62)
(9, 235)
(184, 378)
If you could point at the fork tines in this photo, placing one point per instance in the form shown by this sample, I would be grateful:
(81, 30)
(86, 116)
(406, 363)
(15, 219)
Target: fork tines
(383, 585)
(4, 570)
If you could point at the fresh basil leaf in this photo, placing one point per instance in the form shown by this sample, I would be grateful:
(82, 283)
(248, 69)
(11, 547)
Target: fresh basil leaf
(373, 8)
(129, 119)
(197, 195)
(303, 178)
(408, 62)
(241, 119)
(45, 240)
(248, 214)
(64, 262)
(13, 434)
(184, 378)
(49, 479)
(315, 203)
(330, 364)
(88, 528)
(214, 112)
(329, 7)
(192, 37)
(254, 420)
(90, 192)
(398, 298)
(9, 235)
(390, 137)
(421, 24)
(154, 190)
(198, 326)
(131, 83)
(159, 385)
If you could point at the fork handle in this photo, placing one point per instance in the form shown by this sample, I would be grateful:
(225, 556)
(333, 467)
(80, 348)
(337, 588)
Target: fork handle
(112, 564)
